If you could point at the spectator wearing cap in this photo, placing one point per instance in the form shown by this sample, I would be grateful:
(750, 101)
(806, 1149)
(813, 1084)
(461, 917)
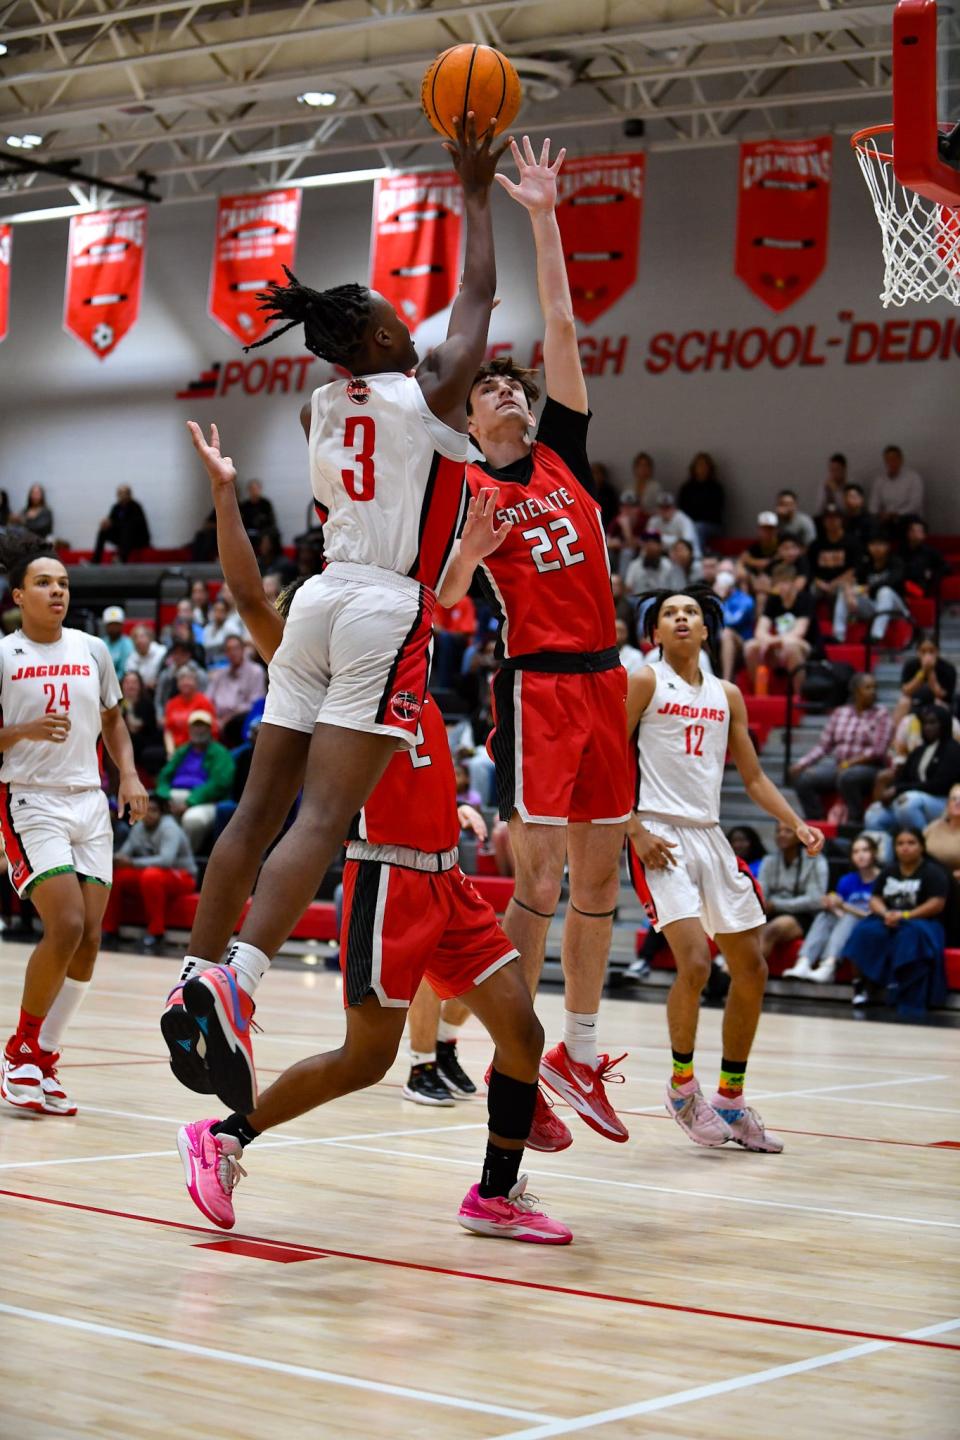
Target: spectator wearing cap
(793, 521)
(672, 524)
(896, 491)
(125, 528)
(875, 594)
(835, 480)
(119, 645)
(833, 557)
(182, 707)
(154, 864)
(651, 569)
(703, 498)
(147, 656)
(760, 555)
(198, 775)
(234, 688)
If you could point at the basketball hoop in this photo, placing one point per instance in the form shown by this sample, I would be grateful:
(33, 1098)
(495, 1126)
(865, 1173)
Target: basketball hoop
(921, 236)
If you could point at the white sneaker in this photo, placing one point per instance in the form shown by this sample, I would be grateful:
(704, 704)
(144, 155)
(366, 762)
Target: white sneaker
(802, 970)
(56, 1101)
(21, 1086)
(824, 973)
(747, 1129)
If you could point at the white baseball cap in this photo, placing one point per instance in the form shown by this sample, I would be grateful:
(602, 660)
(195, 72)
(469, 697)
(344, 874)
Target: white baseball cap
(114, 615)
(768, 517)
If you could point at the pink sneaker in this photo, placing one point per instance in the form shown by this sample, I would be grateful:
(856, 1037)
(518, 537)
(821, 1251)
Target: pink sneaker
(746, 1127)
(583, 1088)
(548, 1132)
(212, 1168)
(56, 1101)
(21, 1077)
(696, 1116)
(224, 1014)
(514, 1218)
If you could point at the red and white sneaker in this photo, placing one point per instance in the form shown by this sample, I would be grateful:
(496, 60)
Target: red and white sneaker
(513, 1217)
(548, 1132)
(583, 1088)
(211, 1166)
(21, 1077)
(56, 1101)
(224, 1014)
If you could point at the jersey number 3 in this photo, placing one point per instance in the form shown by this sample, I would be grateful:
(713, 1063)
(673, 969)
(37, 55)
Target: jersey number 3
(566, 538)
(360, 436)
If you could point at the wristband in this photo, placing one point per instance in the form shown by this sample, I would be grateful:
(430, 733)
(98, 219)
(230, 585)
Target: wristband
(905, 914)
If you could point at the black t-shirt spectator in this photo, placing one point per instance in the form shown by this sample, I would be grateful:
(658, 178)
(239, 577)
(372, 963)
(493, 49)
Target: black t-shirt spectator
(890, 574)
(257, 515)
(830, 559)
(907, 892)
(702, 500)
(564, 431)
(802, 608)
(922, 566)
(945, 672)
(933, 769)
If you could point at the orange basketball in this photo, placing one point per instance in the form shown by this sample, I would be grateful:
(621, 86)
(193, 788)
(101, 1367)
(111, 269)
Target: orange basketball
(471, 77)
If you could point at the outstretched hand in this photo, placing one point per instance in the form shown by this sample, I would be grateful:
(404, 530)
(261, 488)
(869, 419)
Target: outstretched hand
(220, 468)
(537, 190)
(474, 159)
(481, 534)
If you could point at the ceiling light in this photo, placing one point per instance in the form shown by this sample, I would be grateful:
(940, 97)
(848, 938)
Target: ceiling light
(317, 97)
(3, 48)
(24, 142)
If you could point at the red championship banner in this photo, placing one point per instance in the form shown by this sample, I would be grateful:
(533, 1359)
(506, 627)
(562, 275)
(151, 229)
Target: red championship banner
(415, 249)
(6, 249)
(256, 237)
(599, 210)
(783, 217)
(105, 276)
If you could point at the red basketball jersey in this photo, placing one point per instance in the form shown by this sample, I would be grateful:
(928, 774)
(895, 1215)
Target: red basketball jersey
(415, 803)
(551, 576)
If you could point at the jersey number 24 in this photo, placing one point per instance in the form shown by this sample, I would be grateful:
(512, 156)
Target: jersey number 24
(360, 436)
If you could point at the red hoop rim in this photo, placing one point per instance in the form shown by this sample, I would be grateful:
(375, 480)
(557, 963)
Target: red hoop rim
(858, 141)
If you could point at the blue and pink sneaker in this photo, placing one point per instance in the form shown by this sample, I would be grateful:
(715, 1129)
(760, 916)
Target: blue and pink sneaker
(225, 1014)
(512, 1217)
(211, 1166)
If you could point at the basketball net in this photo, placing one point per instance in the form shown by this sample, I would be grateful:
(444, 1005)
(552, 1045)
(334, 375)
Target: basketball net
(921, 238)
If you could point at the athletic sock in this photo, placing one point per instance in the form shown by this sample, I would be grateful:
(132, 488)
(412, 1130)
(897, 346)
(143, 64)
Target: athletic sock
(682, 1069)
(729, 1097)
(423, 1057)
(500, 1171)
(447, 1032)
(64, 1008)
(580, 1037)
(28, 1028)
(238, 1126)
(192, 965)
(250, 965)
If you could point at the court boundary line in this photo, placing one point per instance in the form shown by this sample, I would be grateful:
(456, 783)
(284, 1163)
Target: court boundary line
(513, 1282)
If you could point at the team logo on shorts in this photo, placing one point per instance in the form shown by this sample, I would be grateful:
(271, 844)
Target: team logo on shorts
(406, 706)
(358, 391)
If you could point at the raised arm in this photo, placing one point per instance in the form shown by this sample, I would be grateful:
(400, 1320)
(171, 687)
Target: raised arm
(237, 559)
(537, 193)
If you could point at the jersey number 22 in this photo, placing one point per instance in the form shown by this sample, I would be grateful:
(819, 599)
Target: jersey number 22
(566, 538)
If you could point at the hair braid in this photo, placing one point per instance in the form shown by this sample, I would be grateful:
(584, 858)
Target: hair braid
(334, 321)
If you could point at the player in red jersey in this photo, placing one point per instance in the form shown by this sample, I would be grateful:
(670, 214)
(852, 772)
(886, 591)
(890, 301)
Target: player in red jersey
(559, 742)
(409, 912)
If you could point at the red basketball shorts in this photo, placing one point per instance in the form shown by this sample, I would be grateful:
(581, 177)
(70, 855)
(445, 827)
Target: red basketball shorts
(560, 747)
(400, 925)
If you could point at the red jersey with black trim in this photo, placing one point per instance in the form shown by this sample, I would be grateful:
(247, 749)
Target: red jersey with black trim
(415, 803)
(551, 576)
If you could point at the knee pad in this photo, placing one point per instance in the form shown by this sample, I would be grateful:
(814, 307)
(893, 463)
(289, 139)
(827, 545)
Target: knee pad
(510, 1106)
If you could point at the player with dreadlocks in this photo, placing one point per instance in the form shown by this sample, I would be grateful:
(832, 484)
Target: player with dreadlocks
(684, 869)
(348, 680)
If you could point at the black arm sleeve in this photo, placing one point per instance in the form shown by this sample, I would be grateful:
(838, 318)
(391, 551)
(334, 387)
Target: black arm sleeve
(565, 431)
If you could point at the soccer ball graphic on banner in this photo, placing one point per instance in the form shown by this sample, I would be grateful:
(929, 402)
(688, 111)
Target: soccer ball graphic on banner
(102, 335)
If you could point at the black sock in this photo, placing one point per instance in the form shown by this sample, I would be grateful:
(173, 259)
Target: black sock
(500, 1170)
(238, 1126)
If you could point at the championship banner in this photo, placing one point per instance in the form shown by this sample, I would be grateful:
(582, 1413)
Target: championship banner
(256, 237)
(105, 276)
(6, 248)
(783, 216)
(415, 247)
(599, 210)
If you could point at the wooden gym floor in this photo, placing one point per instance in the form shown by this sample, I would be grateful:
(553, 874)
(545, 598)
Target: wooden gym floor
(707, 1294)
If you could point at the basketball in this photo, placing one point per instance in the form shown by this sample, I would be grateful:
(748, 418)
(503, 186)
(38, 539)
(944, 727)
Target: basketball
(471, 77)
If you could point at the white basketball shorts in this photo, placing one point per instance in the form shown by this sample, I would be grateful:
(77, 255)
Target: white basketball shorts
(707, 883)
(355, 652)
(52, 832)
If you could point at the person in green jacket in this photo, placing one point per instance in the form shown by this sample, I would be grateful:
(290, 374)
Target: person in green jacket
(195, 777)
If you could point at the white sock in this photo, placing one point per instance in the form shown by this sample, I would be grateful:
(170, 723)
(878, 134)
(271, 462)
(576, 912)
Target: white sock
(423, 1057)
(447, 1032)
(192, 965)
(250, 964)
(61, 1012)
(580, 1037)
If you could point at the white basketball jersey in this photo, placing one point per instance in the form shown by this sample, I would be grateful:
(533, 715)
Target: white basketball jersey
(387, 476)
(73, 677)
(682, 748)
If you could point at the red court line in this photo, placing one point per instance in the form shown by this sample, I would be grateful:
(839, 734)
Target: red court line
(95, 1064)
(508, 1280)
(818, 1134)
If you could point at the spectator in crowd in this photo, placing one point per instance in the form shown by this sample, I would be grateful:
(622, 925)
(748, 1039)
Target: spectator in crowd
(942, 836)
(760, 555)
(793, 885)
(624, 533)
(791, 552)
(452, 631)
(36, 515)
(631, 658)
(703, 498)
(184, 618)
(644, 485)
(272, 586)
(200, 602)
(140, 718)
(476, 674)
(786, 632)
(896, 491)
(466, 793)
(125, 528)
(739, 619)
(793, 521)
(876, 594)
(836, 479)
(119, 644)
(684, 569)
(898, 949)
(709, 568)
(672, 524)
(857, 521)
(234, 687)
(198, 774)
(923, 565)
(203, 546)
(180, 709)
(652, 569)
(183, 632)
(154, 865)
(746, 844)
(849, 755)
(608, 496)
(622, 607)
(926, 679)
(147, 656)
(843, 908)
(224, 622)
(271, 559)
(178, 657)
(916, 793)
(309, 561)
(256, 512)
(833, 557)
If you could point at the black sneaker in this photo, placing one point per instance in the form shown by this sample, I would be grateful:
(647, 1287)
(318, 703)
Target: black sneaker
(452, 1073)
(425, 1087)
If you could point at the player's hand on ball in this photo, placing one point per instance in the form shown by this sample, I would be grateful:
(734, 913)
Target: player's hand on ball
(653, 851)
(220, 468)
(474, 159)
(537, 190)
(48, 727)
(810, 838)
(481, 533)
(131, 795)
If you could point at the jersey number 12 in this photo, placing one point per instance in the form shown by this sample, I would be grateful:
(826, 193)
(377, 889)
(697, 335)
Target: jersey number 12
(360, 436)
(694, 734)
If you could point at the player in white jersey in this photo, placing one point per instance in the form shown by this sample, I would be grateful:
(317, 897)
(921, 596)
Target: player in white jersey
(684, 868)
(58, 694)
(387, 455)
